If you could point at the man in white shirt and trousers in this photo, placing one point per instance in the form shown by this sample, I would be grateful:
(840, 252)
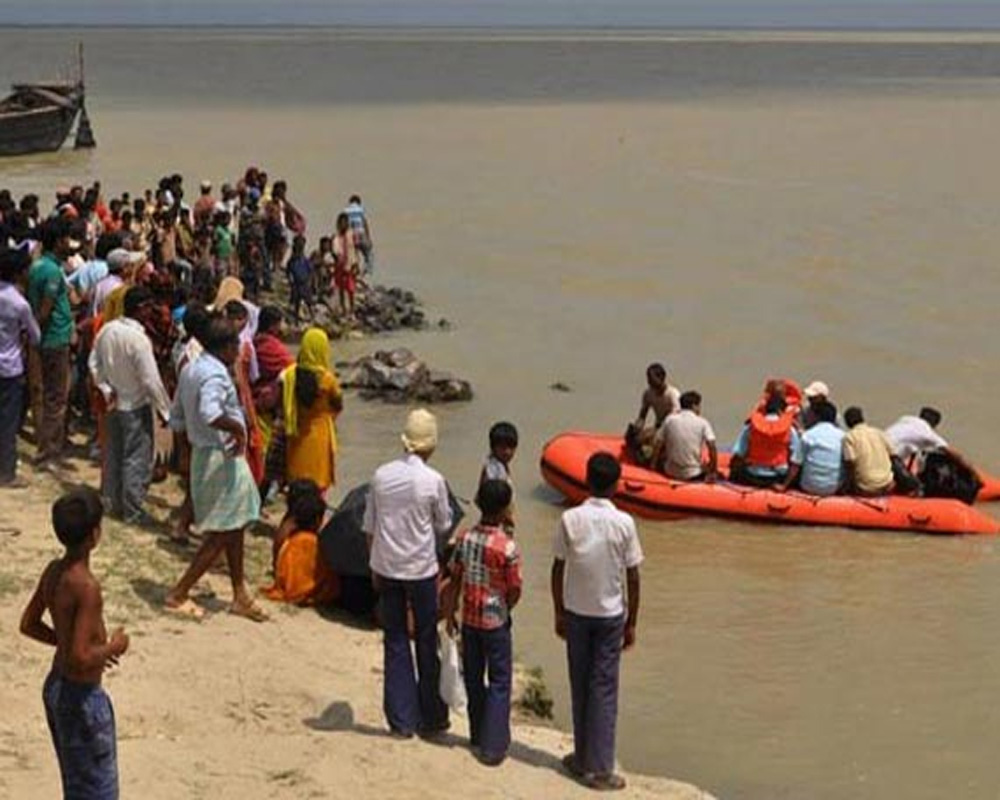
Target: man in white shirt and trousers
(124, 370)
(596, 550)
(407, 508)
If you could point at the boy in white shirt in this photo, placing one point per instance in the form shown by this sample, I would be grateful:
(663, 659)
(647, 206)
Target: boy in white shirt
(595, 548)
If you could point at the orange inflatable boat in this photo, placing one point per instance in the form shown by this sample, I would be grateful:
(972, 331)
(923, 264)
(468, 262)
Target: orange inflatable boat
(651, 495)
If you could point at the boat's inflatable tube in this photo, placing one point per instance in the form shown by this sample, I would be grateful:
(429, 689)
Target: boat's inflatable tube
(651, 495)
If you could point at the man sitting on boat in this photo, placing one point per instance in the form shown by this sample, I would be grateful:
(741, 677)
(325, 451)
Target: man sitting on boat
(822, 451)
(913, 437)
(768, 451)
(662, 399)
(868, 455)
(921, 450)
(815, 394)
(682, 439)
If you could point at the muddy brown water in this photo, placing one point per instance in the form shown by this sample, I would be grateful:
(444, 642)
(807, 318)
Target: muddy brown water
(735, 206)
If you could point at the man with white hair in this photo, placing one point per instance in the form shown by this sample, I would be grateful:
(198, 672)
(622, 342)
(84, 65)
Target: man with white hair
(407, 508)
(121, 265)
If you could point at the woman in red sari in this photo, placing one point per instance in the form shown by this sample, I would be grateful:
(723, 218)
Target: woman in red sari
(273, 357)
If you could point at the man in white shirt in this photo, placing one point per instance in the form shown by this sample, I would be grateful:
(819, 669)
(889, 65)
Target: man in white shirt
(913, 436)
(124, 370)
(407, 509)
(682, 438)
(596, 551)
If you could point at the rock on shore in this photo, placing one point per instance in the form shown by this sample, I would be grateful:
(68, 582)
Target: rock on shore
(398, 376)
(377, 309)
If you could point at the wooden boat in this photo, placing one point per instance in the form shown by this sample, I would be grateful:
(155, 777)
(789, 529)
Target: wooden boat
(654, 496)
(38, 117)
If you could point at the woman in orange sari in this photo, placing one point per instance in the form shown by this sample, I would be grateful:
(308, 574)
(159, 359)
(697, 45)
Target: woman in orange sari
(311, 401)
(301, 576)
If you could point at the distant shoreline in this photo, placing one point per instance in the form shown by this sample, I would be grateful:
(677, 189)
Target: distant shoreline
(544, 32)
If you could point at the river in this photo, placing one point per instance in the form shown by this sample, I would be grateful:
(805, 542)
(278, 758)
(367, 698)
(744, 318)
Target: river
(733, 205)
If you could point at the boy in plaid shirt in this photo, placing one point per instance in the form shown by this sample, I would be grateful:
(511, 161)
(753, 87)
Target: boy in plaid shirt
(486, 569)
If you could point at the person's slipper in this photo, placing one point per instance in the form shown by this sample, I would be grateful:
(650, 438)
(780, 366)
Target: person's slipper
(188, 609)
(607, 782)
(250, 610)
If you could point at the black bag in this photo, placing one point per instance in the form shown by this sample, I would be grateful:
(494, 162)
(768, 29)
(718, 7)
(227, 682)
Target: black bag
(942, 476)
(344, 544)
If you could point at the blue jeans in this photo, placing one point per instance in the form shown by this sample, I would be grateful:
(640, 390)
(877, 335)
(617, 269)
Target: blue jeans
(594, 649)
(11, 409)
(411, 704)
(486, 654)
(128, 462)
(82, 723)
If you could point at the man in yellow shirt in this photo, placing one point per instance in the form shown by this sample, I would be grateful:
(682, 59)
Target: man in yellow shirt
(867, 457)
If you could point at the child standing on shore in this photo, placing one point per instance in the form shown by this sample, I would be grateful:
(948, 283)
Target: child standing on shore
(485, 570)
(595, 594)
(345, 268)
(300, 278)
(503, 446)
(79, 712)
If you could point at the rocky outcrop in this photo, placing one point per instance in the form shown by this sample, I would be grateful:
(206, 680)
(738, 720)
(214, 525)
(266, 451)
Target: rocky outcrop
(377, 309)
(398, 376)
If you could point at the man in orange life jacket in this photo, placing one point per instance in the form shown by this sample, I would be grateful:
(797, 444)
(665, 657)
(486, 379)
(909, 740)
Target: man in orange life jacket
(768, 452)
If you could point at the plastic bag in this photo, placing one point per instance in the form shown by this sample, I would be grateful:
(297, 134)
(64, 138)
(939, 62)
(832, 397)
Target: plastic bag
(451, 686)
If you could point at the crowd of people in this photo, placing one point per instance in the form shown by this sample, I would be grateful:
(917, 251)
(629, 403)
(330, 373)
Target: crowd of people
(792, 440)
(65, 272)
(138, 322)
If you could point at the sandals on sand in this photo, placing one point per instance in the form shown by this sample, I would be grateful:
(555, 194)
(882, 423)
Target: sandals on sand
(188, 610)
(608, 782)
(250, 610)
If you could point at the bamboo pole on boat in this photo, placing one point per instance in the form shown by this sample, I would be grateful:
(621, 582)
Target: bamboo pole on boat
(84, 133)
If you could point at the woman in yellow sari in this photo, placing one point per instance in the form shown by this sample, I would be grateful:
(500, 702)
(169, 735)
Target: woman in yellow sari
(311, 401)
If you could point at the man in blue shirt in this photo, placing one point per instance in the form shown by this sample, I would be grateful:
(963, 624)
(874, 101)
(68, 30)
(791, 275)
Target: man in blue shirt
(16, 323)
(822, 452)
(225, 498)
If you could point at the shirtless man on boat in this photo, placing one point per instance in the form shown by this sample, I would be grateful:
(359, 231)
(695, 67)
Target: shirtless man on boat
(659, 397)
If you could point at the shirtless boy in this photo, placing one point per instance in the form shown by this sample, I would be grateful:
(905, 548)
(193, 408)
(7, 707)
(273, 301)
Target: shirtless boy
(78, 710)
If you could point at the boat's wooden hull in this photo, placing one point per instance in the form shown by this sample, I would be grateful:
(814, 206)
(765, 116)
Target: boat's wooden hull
(35, 131)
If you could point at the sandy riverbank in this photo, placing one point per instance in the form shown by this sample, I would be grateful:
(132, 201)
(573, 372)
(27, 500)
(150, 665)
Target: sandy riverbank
(228, 709)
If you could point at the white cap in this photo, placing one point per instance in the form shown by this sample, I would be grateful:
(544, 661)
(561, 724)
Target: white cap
(421, 433)
(816, 389)
(119, 258)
